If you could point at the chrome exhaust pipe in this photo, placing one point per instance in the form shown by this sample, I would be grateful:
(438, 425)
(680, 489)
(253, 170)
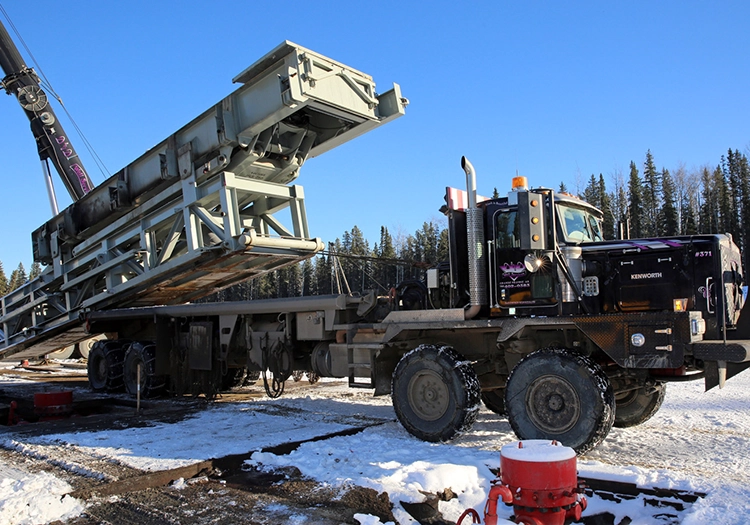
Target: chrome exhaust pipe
(475, 239)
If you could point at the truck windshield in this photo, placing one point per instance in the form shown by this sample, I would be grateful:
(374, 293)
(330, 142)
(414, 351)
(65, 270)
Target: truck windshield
(579, 225)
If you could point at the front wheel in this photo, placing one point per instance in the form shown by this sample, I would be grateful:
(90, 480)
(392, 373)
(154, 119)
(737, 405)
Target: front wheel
(558, 394)
(436, 394)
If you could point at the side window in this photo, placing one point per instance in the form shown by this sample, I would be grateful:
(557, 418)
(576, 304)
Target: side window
(595, 228)
(506, 230)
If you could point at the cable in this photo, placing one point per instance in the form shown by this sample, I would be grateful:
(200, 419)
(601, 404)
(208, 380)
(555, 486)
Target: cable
(46, 84)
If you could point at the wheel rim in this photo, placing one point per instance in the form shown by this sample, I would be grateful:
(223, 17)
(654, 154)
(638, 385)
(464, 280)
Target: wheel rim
(428, 395)
(552, 404)
(624, 399)
(100, 366)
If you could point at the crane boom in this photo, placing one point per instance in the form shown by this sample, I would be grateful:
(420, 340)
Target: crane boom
(52, 141)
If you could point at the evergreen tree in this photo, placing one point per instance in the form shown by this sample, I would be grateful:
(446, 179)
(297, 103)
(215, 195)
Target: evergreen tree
(591, 192)
(17, 278)
(428, 238)
(4, 287)
(724, 197)
(651, 197)
(563, 187)
(386, 271)
(322, 273)
(35, 271)
(708, 219)
(605, 204)
(738, 173)
(443, 246)
(355, 254)
(635, 203)
(671, 223)
(734, 195)
(308, 277)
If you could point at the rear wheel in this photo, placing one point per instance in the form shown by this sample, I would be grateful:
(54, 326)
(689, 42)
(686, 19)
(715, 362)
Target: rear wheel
(495, 400)
(639, 405)
(143, 354)
(233, 378)
(84, 347)
(251, 378)
(435, 393)
(62, 353)
(558, 394)
(105, 365)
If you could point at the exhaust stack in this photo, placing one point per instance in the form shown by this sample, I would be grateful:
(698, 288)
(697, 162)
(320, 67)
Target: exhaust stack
(475, 239)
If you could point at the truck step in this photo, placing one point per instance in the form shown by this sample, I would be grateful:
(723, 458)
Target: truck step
(360, 357)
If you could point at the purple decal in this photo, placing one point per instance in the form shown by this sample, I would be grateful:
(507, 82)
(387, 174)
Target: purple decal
(82, 179)
(513, 271)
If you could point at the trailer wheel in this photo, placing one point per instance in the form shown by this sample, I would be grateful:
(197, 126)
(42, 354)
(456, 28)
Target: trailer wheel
(251, 378)
(495, 400)
(84, 347)
(558, 394)
(233, 378)
(638, 406)
(435, 393)
(143, 354)
(105, 366)
(62, 353)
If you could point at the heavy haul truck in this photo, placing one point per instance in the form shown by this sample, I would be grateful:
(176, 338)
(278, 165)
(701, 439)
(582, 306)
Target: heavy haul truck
(534, 313)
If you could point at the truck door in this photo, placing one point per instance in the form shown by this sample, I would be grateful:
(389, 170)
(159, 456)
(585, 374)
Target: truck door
(512, 285)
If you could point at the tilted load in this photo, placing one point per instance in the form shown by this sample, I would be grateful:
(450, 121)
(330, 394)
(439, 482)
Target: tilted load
(200, 210)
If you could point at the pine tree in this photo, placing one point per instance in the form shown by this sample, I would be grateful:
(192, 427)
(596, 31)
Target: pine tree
(737, 172)
(709, 214)
(4, 287)
(17, 278)
(635, 203)
(605, 205)
(308, 278)
(651, 198)
(563, 187)
(386, 273)
(730, 171)
(427, 241)
(443, 245)
(35, 271)
(671, 223)
(724, 197)
(591, 193)
(322, 272)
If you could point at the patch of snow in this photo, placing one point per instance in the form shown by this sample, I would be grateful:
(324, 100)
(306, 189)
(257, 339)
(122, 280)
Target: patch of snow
(28, 499)
(697, 442)
(369, 519)
(537, 451)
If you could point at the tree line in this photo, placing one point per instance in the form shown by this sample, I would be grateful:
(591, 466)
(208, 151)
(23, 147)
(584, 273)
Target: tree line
(648, 202)
(18, 277)
(656, 202)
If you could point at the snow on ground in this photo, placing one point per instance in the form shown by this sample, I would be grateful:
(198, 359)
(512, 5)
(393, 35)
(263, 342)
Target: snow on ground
(28, 499)
(698, 441)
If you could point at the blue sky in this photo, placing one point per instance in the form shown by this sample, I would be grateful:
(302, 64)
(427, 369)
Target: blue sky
(554, 90)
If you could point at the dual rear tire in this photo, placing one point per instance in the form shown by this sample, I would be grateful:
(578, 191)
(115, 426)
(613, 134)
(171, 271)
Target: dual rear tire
(116, 365)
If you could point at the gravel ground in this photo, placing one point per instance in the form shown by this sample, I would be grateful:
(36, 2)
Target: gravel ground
(213, 497)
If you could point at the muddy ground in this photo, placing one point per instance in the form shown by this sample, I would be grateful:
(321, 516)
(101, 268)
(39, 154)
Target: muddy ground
(213, 492)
